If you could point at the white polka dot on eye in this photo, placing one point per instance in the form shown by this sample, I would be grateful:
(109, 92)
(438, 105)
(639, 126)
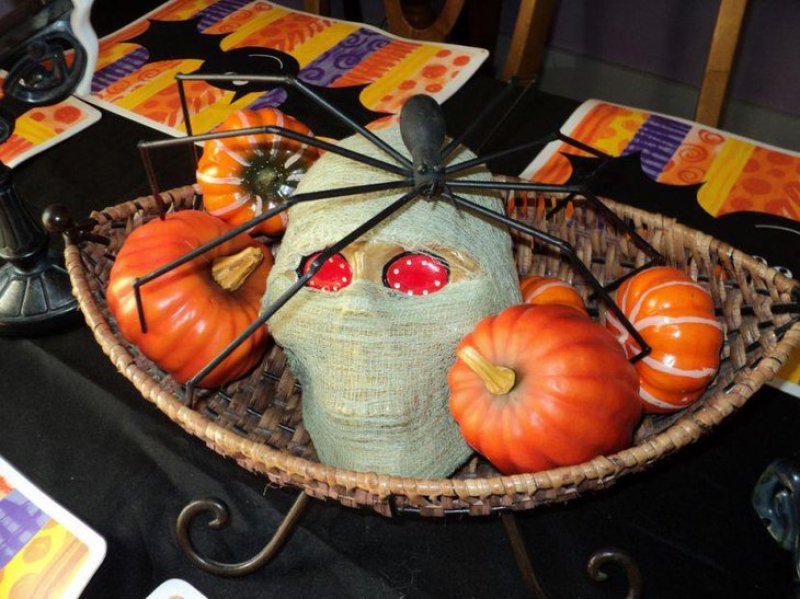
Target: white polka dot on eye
(396, 271)
(424, 263)
(341, 266)
(435, 269)
(408, 262)
(397, 285)
(409, 293)
(437, 283)
(424, 292)
(336, 288)
(344, 279)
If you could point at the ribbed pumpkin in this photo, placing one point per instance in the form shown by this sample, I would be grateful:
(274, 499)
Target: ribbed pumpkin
(536, 387)
(675, 316)
(243, 176)
(193, 312)
(550, 290)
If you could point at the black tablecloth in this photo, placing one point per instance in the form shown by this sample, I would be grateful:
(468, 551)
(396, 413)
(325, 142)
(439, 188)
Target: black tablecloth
(79, 430)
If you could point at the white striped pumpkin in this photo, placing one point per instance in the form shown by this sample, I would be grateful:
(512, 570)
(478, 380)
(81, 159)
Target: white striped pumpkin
(675, 317)
(549, 290)
(243, 176)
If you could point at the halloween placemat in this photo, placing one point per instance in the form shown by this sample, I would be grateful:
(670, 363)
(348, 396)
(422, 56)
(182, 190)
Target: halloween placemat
(749, 191)
(45, 551)
(361, 69)
(44, 126)
(175, 588)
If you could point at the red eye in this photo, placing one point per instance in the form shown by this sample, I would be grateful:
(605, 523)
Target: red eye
(415, 273)
(334, 275)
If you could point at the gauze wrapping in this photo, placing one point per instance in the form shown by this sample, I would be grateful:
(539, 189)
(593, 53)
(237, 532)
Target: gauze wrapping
(373, 362)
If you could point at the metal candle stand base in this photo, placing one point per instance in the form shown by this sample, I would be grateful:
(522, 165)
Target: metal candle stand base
(35, 38)
(35, 290)
(217, 508)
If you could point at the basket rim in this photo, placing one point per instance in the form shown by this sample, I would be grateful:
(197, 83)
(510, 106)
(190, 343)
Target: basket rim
(285, 468)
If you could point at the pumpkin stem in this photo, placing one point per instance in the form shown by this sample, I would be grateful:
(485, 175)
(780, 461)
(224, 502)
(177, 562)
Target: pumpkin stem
(499, 380)
(230, 272)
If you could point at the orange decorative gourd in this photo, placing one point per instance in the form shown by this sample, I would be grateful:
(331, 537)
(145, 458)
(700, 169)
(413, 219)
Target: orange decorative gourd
(536, 387)
(243, 176)
(194, 311)
(675, 316)
(549, 290)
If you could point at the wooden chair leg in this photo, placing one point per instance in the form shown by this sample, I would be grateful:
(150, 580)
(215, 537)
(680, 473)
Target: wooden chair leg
(720, 60)
(528, 41)
(417, 20)
(317, 7)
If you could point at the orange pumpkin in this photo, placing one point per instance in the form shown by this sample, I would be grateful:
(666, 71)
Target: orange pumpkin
(241, 177)
(549, 290)
(194, 311)
(536, 387)
(675, 317)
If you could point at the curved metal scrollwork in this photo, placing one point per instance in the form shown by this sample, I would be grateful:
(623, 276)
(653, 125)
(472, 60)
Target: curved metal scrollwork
(597, 563)
(611, 555)
(219, 511)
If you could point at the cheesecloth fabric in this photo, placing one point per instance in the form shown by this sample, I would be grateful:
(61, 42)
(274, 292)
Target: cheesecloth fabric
(373, 362)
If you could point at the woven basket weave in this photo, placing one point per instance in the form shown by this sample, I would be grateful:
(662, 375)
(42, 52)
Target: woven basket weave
(257, 420)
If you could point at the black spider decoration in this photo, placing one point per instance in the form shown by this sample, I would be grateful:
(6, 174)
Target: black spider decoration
(423, 131)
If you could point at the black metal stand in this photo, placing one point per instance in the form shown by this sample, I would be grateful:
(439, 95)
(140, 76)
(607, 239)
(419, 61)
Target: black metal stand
(219, 511)
(595, 567)
(35, 291)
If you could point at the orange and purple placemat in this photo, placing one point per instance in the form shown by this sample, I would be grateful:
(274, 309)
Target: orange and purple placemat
(349, 62)
(45, 551)
(737, 173)
(44, 126)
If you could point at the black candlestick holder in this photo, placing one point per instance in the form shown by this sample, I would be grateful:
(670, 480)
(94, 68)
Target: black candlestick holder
(43, 47)
(35, 291)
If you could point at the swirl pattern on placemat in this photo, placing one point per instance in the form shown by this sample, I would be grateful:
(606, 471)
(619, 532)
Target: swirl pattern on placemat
(736, 174)
(130, 81)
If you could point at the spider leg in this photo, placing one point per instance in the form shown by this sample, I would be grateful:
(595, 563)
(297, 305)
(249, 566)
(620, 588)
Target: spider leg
(516, 186)
(314, 267)
(366, 133)
(312, 95)
(581, 146)
(461, 166)
(146, 146)
(506, 114)
(638, 240)
(565, 249)
(487, 110)
(295, 199)
(574, 192)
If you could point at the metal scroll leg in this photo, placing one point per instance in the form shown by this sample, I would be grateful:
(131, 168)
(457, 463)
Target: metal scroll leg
(521, 555)
(597, 562)
(220, 512)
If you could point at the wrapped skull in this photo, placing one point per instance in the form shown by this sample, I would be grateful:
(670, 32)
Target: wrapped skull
(372, 335)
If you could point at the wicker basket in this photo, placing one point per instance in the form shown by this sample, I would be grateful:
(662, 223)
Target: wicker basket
(257, 420)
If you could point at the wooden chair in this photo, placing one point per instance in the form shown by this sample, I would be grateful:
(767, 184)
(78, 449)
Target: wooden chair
(415, 19)
(720, 61)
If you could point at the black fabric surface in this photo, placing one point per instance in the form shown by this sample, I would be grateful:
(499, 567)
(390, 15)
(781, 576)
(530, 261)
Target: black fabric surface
(79, 430)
